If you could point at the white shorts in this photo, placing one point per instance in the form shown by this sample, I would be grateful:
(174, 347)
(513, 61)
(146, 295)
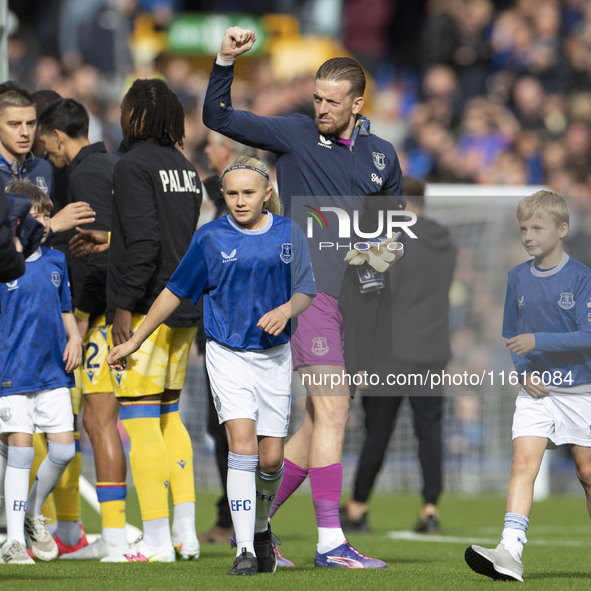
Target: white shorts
(252, 385)
(46, 411)
(561, 418)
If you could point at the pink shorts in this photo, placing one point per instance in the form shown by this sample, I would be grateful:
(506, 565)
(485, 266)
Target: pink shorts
(319, 338)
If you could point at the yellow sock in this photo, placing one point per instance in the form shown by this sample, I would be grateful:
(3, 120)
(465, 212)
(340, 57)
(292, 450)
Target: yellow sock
(111, 496)
(148, 457)
(40, 447)
(66, 494)
(180, 453)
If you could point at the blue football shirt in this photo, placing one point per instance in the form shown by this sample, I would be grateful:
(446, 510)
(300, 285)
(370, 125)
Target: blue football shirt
(32, 333)
(243, 274)
(555, 305)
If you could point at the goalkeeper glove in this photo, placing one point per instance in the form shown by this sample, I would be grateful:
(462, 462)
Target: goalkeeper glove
(380, 254)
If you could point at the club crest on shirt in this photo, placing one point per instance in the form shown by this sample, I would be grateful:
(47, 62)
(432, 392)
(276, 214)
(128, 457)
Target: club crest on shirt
(567, 300)
(40, 182)
(286, 252)
(379, 160)
(5, 414)
(319, 346)
(55, 278)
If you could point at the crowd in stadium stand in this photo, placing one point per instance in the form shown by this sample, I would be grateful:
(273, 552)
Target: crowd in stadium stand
(494, 92)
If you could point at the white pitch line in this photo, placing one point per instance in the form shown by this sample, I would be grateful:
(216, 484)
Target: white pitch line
(414, 537)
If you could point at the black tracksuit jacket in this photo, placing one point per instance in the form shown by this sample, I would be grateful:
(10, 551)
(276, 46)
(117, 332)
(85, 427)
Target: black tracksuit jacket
(156, 199)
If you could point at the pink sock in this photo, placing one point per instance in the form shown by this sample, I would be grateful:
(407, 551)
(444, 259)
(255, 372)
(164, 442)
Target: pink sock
(326, 484)
(293, 476)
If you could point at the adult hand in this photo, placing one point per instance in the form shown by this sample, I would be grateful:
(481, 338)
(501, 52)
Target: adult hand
(121, 326)
(88, 242)
(236, 41)
(72, 215)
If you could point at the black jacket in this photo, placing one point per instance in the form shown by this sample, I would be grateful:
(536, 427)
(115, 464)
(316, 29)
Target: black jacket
(12, 263)
(419, 306)
(156, 201)
(90, 179)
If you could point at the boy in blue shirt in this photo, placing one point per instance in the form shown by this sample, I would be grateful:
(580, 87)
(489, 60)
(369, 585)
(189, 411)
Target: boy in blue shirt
(40, 346)
(547, 322)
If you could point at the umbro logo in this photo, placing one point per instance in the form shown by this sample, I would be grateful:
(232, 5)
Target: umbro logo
(227, 258)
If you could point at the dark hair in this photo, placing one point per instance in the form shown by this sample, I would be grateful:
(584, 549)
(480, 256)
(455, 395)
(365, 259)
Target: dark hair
(68, 116)
(155, 112)
(12, 95)
(344, 68)
(43, 98)
(414, 191)
(39, 198)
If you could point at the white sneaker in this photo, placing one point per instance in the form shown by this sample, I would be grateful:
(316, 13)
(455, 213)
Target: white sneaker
(15, 553)
(498, 564)
(141, 552)
(39, 539)
(100, 548)
(188, 550)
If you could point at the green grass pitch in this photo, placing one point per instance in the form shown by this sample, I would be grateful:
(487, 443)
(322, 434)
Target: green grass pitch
(558, 555)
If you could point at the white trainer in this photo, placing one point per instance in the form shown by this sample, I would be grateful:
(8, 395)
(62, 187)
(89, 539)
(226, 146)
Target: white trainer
(39, 539)
(187, 550)
(498, 563)
(141, 552)
(100, 548)
(14, 552)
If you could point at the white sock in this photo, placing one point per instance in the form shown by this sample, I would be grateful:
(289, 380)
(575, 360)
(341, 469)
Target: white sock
(514, 540)
(513, 537)
(329, 538)
(157, 532)
(242, 498)
(183, 525)
(3, 460)
(16, 487)
(69, 532)
(59, 455)
(267, 486)
(114, 535)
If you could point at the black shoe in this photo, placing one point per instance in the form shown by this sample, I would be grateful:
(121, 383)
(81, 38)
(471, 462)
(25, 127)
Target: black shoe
(245, 564)
(348, 524)
(263, 547)
(429, 525)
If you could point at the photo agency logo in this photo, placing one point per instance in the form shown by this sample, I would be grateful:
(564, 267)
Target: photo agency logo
(344, 231)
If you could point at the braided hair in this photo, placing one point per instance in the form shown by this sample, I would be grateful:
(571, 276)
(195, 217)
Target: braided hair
(155, 112)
